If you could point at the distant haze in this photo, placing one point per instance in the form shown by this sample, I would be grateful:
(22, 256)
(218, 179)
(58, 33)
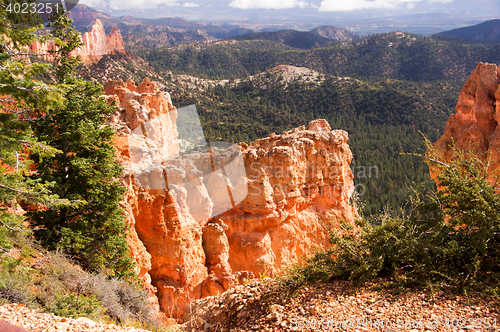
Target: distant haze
(361, 16)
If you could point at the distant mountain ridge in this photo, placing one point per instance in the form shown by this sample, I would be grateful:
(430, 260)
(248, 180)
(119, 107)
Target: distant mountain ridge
(292, 38)
(144, 33)
(487, 32)
(151, 33)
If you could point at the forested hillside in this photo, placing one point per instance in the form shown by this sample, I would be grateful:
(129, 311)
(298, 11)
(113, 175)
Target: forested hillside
(487, 32)
(394, 55)
(383, 119)
(292, 38)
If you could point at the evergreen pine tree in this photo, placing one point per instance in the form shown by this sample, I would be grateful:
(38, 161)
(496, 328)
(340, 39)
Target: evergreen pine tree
(21, 98)
(84, 170)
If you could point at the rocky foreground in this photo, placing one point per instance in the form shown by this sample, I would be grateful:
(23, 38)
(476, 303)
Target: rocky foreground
(336, 306)
(20, 316)
(339, 307)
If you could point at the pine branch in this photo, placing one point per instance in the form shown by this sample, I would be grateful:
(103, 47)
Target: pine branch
(439, 162)
(20, 191)
(13, 228)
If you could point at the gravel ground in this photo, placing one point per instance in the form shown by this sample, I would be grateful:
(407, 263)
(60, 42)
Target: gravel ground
(19, 315)
(339, 307)
(335, 306)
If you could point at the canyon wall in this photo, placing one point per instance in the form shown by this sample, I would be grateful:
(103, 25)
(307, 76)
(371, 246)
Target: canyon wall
(198, 226)
(475, 125)
(95, 44)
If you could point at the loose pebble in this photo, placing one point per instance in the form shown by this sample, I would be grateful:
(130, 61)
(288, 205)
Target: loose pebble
(366, 308)
(31, 320)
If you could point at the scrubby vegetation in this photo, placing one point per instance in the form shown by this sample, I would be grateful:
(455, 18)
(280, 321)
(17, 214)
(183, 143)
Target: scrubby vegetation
(52, 282)
(449, 238)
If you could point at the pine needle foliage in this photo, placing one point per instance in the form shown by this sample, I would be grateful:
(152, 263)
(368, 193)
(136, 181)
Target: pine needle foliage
(84, 171)
(22, 98)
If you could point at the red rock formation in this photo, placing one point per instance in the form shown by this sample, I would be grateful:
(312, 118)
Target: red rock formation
(475, 125)
(95, 44)
(299, 184)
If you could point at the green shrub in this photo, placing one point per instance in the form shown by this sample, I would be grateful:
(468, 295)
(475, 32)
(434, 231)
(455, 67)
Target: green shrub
(13, 289)
(450, 237)
(16, 278)
(121, 300)
(77, 305)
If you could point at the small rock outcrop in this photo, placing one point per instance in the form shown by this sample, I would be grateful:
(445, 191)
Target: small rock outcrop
(334, 33)
(95, 44)
(475, 125)
(198, 227)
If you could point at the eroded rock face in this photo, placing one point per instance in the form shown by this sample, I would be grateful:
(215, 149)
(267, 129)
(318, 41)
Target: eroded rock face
(299, 183)
(95, 44)
(296, 185)
(475, 125)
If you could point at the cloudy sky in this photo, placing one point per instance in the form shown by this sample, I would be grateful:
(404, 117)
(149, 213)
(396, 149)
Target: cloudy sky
(310, 9)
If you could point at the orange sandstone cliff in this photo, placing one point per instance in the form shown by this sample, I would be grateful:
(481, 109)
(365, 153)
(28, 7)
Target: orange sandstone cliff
(475, 125)
(95, 44)
(297, 184)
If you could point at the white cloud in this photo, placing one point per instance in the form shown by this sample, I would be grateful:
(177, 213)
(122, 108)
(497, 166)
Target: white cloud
(268, 4)
(343, 5)
(190, 4)
(93, 3)
(130, 4)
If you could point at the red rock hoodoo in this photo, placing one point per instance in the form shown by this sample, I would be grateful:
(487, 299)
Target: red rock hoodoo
(475, 125)
(297, 184)
(95, 44)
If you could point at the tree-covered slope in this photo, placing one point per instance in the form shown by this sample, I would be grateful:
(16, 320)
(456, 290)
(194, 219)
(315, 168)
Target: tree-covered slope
(394, 55)
(292, 38)
(383, 119)
(487, 32)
